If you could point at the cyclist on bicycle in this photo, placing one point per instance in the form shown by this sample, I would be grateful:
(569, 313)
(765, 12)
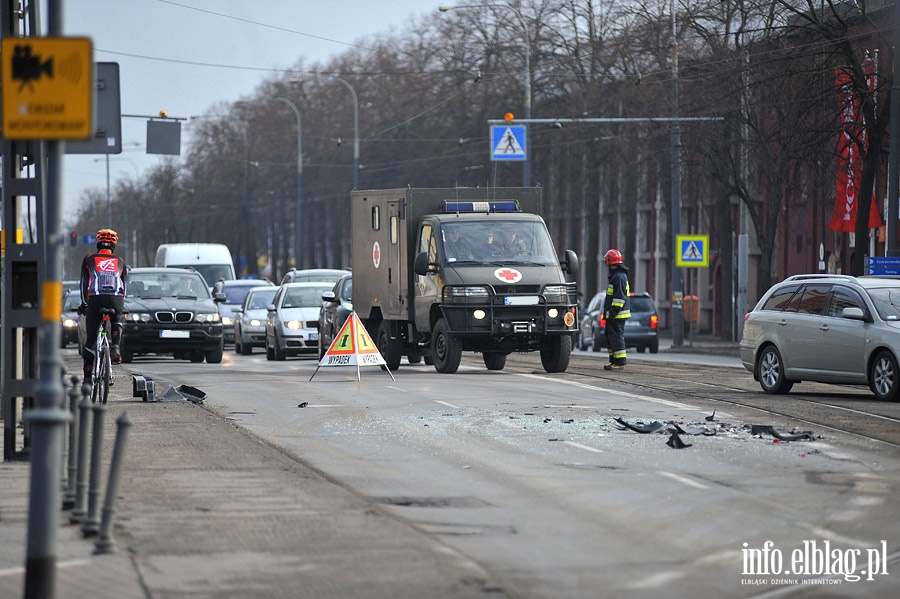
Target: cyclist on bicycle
(102, 286)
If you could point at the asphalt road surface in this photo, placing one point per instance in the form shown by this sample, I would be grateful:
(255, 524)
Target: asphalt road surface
(550, 482)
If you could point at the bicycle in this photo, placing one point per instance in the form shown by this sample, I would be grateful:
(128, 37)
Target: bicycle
(103, 375)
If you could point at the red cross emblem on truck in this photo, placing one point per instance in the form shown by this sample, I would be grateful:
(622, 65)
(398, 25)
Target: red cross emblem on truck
(508, 275)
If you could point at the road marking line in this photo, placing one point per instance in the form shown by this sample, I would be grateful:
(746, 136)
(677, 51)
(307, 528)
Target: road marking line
(584, 447)
(448, 404)
(684, 480)
(672, 404)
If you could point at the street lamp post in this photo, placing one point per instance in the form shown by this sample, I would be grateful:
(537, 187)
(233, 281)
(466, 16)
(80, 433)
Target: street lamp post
(526, 169)
(298, 252)
(355, 131)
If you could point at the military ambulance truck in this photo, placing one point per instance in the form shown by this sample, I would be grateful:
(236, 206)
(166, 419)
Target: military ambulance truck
(440, 271)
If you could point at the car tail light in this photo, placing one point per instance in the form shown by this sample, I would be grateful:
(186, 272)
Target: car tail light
(602, 320)
(654, 321)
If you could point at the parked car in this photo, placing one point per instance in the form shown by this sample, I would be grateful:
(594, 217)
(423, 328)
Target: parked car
(337, 305)
(826, 328)
(235, 291)
(250, 319)
(313, 275)
(641, 330)
(71, 301)
(292, 320)
(585, 335)
(171, 311)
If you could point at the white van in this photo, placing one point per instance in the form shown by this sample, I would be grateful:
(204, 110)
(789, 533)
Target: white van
(212, 260)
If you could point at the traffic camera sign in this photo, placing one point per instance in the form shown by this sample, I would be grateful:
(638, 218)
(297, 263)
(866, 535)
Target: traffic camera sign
(47, 87)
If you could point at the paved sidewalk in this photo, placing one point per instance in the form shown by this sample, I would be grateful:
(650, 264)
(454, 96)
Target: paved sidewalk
(206, 510)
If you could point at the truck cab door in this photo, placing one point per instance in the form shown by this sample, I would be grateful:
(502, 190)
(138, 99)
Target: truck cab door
(427, 290)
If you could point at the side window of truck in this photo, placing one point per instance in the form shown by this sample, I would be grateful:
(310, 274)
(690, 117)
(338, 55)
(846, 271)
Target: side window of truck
(428, 243)
(376, 218)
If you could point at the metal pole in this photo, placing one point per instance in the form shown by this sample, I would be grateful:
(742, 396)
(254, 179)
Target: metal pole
(81, 483)
(105, 543)
(47, 419)
(69, 495)
(355, 131)
(108, 199)
(891, 243)
(91, 524)
(677, 283)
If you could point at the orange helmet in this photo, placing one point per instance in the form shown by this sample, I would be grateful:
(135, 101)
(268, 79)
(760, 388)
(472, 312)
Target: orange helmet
(107, 236)
(612, 257)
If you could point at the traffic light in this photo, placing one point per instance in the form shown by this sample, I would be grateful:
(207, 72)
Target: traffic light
(73, 238)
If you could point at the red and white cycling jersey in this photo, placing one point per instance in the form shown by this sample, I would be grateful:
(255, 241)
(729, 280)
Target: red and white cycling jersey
(102, 274)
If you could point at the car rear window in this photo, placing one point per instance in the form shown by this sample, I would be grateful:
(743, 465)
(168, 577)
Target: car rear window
(642, 304)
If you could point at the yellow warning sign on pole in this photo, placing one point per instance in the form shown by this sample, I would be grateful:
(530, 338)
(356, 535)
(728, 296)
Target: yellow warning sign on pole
(48, 85)
(352, 346)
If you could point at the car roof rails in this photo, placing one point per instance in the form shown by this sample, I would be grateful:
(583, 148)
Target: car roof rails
(820, 276)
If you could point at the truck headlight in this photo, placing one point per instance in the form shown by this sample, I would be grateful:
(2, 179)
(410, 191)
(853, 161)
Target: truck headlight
(462, 295)
(552, 312)
(556, 294)
(479, 314)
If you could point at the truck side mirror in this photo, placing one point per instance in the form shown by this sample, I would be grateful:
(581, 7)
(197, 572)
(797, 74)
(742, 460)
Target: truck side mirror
(570, 263)
(421, 266)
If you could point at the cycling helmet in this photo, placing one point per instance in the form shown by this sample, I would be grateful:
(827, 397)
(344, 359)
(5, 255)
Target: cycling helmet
(612, 257)
(107, 237)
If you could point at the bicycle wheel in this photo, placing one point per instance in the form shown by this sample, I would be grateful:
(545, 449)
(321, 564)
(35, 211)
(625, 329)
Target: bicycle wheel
(106, 375)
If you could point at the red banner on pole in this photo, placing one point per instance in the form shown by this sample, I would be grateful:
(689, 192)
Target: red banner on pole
(848, 171)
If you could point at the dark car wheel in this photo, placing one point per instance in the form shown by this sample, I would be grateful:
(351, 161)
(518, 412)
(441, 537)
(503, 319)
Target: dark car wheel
(884, 377)
(278, 354)
(245, 350)
(770, 371)
(596, 342)
(446, 349)
(214, 356)
(654, 346)
(556, 357)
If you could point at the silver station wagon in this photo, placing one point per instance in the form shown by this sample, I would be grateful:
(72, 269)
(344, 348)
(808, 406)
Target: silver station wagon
(826, 328)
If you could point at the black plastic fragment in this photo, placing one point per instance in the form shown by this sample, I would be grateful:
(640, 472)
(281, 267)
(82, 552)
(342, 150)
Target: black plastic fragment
(675, 442)
(760, 429)
(644, 429)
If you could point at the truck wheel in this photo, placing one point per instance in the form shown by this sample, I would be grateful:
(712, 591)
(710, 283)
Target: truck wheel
(445, 348)
(556, 357)
(389, 348)
(494, 361)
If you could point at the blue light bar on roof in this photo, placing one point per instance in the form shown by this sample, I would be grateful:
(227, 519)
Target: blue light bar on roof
(496, 206)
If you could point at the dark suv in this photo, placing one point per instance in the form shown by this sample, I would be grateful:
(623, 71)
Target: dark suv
(171, 311)
(641, 330)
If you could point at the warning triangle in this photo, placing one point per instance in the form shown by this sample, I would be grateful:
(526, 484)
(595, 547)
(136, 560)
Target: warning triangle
(352, 346)
(508, 144)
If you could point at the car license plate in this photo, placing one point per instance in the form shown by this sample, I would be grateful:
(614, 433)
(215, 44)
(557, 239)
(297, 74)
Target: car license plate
(631, 325)
(166, 334)
(521, 300)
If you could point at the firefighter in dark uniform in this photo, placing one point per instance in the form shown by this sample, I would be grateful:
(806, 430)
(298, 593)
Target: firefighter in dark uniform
(616, 309)
(102, 286)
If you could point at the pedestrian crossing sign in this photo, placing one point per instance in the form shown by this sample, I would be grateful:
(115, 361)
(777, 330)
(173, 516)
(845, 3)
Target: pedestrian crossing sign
(692, 251)
(508, 142)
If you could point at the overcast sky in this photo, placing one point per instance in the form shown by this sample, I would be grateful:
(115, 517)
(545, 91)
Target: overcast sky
(184, 56)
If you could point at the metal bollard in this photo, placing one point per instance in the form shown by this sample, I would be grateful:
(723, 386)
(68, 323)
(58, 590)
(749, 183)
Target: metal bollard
(69, 493)
(91, 523)
(84, 421)
(104, 543)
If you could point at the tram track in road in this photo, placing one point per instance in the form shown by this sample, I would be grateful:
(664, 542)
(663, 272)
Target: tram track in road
(851, 410)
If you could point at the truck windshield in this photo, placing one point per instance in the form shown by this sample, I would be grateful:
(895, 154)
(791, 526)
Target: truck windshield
(497, 241)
